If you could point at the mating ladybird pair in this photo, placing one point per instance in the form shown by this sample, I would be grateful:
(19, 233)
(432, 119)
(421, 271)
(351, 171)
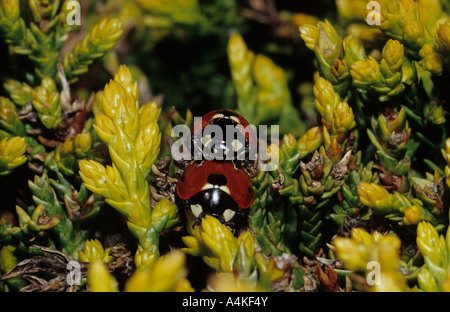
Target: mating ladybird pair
(221, 188)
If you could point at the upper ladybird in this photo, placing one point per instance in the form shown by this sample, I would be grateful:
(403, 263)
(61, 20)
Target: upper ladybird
(223, 135)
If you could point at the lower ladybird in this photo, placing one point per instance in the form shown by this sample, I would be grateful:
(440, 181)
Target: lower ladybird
(216, 188)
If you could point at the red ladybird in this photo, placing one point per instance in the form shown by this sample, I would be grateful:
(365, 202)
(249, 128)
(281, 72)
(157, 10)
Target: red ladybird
(215, 188)
(223, 117)
(237, 141)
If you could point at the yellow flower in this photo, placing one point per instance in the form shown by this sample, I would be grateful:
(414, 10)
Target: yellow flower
(228, 282)
(352, 9)
(393, 55)
(214, 242)
(412, 215)
(362, 248)
(443, 36)
(105, 181)
(10, 9)
(47, 104)
(310, 141)
(167, 274)
(373, 195)
(433, 248)
(82, 144)
(426, 281)
(309, 34)
(326, 99)
(431, 59)
(414, 34)
(12, 154)
(343, 119)
(93, 251)
(445, 285)
(366, 73)
(99, 278)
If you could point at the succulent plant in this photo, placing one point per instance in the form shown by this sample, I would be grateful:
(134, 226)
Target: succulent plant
(357, 201)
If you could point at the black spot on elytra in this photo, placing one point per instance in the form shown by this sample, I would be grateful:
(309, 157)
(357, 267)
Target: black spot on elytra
(217, 179)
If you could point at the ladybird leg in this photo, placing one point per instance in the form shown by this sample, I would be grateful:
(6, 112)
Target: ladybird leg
(199, 219)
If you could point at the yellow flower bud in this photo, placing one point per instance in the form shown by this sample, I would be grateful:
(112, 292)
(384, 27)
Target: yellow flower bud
(241, 62)
(326, 99)
(124, 77)
(46, 102)
(414, 34)
(309, 34)
(216, 243)
(445, 285)
(443, 36)
(145, 258)
(393, 54)
(82, 144)
(301, 19)
(374, 196)
(430, 11)
(288, 141)
(164, 214)
(412, 215)
(431, 59)
(10, 9)
(391, 281)
(352, 9)
(362, 248)
(149, 113)
(431, 245)
(167, 274)
(227, 282)
(99, 278)
(366, 73)
(311, 140)
(360, 236)
(147, 146)
(273, 152)
(388, 251)
(12, 154)
(93, 251)
(426, 281)
(353, 255)
(343, 119)
(94, 177)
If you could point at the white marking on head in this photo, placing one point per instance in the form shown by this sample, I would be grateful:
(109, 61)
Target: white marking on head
(217, 116)
(235, 119)
(228, 214)
(207, 186)
(237, 145)
(196, 210)
(206, 139)
(225, 189)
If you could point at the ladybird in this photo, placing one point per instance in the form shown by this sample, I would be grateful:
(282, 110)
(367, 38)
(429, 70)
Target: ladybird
(223, 117)
(216, 188)
(203, 141)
